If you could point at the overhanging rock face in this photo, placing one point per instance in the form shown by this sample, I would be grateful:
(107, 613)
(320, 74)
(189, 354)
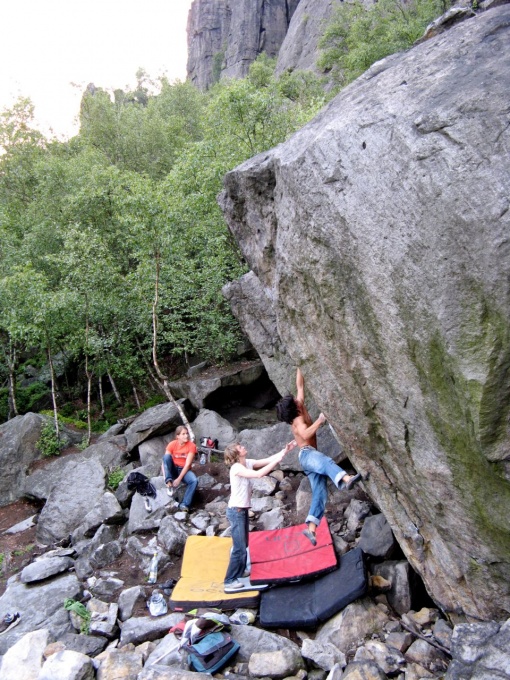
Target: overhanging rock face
(381, 235)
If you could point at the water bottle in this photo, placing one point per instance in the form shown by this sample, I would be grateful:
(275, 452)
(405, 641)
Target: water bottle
(157, 604)
(243, 617)
(202, 459)
(153, 569)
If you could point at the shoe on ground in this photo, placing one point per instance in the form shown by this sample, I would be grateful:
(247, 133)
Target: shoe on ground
(234, 586)
(147, 504)
(9, 621)
(183, 508)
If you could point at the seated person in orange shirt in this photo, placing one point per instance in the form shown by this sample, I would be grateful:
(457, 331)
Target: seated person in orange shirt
(177, 463)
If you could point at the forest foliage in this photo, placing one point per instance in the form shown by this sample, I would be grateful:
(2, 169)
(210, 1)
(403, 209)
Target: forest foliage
(116, 233)
(88, 226)
(361, 33)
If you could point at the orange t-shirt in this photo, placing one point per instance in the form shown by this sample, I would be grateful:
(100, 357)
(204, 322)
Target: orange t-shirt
(180, 453)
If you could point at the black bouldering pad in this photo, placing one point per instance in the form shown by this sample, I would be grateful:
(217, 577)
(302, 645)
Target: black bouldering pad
(306, 605)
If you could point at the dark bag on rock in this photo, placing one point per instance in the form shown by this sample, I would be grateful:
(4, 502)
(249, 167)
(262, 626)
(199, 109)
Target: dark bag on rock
(211, 652)
(141, 484)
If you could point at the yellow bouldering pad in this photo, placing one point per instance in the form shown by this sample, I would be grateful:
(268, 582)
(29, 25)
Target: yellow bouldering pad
(204, 565)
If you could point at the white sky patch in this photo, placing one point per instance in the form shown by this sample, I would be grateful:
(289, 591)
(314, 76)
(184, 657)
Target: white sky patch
(51, 49)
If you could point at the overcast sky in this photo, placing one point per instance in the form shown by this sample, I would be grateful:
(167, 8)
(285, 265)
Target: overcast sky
(46, 46)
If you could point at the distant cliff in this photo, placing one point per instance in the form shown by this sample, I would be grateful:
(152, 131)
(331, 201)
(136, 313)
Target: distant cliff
(226, 36)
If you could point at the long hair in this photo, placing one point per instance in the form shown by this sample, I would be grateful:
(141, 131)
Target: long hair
(231, 454)
(287, 409)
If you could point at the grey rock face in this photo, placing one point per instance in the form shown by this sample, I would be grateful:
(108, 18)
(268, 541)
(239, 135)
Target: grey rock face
(210, 423)
(253, 306)
(40, 606)
(86, 644)
(399, 575)
(67, 665)
(480, 650)
(198, 389)
(226, 36)
(381, 231)
(25, 656)
(128, 599)
(299, 49)
(18, 438)
(116, 663)
(279, 664)
(109, 453)
(324, 655)
(143, 628)
(376, 537)
(44, 568)
(208, 24)
(158, 420)
(356, 621)
(68, 503)
(254, 639)
(151, 453)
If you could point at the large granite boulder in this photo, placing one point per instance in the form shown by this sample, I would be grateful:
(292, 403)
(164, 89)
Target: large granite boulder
(80, 487)
(109, 453)
(41, 605)
(18, 449)
(18, 440)
(158, 420)
(380, 233)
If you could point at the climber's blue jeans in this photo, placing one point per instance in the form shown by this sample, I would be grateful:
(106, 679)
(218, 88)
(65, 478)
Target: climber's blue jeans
(238, 518)
(318, 467)
(172, 471)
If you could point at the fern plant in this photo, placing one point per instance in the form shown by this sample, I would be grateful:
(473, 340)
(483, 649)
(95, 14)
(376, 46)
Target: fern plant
(48, 443)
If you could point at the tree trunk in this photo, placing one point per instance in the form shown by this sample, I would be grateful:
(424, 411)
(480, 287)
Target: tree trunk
(89, 375)
(135, 394)
(163, 380)
(101, 400)
(53, 392)
(114, 388)
(12, 357)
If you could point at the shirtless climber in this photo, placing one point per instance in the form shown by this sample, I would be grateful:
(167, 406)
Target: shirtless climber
(316, 465)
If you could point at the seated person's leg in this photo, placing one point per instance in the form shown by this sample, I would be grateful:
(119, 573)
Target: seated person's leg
(169, 468)
(191, 481)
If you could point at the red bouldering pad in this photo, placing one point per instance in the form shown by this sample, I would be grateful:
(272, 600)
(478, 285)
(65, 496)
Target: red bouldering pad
(284, 555)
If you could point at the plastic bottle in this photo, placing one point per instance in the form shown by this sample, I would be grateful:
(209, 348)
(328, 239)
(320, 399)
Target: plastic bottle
(243, 617)
(157, 604)
(202, 459)
(153, 569)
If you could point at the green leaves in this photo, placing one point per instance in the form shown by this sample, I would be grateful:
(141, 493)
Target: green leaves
(358, 35)
(88, 226)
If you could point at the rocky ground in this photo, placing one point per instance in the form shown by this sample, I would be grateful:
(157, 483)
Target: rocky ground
(93, 545)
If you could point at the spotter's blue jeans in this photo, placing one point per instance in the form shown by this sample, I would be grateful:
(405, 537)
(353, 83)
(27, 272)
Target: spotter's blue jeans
(238, 518)
(172, 471)
(318, 467)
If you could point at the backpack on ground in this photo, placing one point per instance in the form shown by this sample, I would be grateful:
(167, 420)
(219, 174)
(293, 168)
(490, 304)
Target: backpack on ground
(211, 652)
(141, 484)
(209, 443)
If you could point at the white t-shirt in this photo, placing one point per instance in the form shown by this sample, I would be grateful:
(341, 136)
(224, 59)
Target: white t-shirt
(240, 487)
